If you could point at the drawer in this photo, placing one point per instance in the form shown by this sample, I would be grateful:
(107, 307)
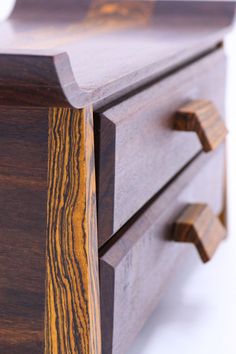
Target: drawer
(137, 149)
(139, 263)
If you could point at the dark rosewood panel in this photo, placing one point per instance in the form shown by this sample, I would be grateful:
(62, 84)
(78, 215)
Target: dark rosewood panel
(49, 294)
(23, 213)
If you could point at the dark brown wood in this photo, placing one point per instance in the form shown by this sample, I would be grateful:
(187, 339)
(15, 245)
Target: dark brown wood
(23, 214)
(79, 38)
(69, 55)
(138, 151)
(105, 131)
(198, 225)
(49, 296)
(136, 268)
(202, 117)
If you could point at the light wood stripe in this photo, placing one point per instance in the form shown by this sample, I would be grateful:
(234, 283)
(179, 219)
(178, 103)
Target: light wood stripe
(72, 306)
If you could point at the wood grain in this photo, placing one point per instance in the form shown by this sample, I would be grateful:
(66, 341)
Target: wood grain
(52, 54)
(72, 311)
(23, 216)
(198, 225)
(49, 298)
(202, 117)
(137, 266)
(136, 143)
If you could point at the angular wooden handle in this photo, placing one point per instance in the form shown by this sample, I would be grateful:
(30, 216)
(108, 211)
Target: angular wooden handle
(203, 118)
(200, 226)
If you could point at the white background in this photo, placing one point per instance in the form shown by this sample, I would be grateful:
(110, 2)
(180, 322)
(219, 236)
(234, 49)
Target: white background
(5, 8)
(198, 317)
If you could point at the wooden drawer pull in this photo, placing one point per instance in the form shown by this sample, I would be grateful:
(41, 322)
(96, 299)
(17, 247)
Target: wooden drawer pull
(203, 118)
(201, 227)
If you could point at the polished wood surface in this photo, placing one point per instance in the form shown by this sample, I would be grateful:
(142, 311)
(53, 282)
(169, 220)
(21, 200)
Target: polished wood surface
(49, 296)
(202, 117)
(134, 42)
(139, 263)
(137, 149)
(72, 312)
(23, 214)
(198, 225)
(63, 57)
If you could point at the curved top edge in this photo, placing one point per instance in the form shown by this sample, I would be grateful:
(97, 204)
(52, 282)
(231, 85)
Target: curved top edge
(59, 77)
(32, 79)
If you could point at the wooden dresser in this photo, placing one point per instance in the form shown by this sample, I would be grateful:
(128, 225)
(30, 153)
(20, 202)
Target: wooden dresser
(112, 165)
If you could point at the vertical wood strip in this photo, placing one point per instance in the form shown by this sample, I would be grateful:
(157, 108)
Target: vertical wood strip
(72, 305)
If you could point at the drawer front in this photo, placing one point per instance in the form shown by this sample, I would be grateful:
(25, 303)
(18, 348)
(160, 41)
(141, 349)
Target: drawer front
(136, 268)
(137, 149)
